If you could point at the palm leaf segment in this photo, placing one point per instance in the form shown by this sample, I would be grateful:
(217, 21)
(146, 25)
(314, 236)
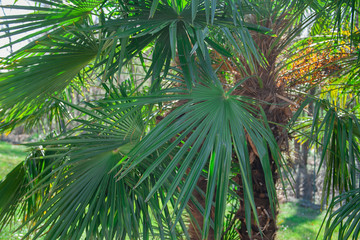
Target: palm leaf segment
(178, 29)
(45, 66)
(334, 132)
(29, 83)
(49, 19)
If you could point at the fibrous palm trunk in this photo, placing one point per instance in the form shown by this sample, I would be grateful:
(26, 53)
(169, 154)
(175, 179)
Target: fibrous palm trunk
(271, 95)
(267, 220)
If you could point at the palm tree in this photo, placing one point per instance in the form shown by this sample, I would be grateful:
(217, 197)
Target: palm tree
(190, 150)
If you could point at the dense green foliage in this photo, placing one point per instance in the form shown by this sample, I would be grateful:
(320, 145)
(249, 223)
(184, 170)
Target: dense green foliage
(294, 220)
(125, 163)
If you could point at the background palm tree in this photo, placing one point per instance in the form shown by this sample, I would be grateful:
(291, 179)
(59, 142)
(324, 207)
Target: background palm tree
(202, 130)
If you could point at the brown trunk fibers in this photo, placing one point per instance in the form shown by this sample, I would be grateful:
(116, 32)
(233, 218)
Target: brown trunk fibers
(193, 230)
(266, 219)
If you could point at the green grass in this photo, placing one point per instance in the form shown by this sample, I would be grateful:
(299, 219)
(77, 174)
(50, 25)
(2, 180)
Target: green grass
(10, 156)
(299, 223)
(294, 221)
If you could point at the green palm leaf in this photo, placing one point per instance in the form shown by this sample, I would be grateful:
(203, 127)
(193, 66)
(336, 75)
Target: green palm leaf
(48, 17)
(82, 195)
(337, 132)
(212, 127)
(47, 70)
(173, 25)
(344, 212)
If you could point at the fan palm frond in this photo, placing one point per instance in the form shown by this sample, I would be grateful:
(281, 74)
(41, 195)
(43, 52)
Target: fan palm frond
(210, 135)
(45, 72)
(43, 18)
(76, 190)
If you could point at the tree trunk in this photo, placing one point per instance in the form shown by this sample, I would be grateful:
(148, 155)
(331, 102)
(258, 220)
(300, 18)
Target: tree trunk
(194, 232)
(266, 219)
(303, 183)
(297, 167)
(307, 178)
